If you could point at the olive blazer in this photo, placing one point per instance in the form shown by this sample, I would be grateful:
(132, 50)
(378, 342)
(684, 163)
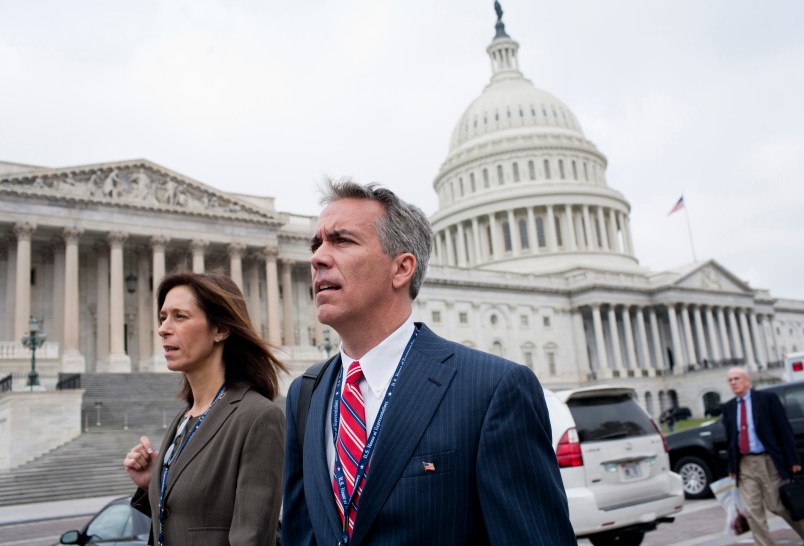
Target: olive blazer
(226, 486)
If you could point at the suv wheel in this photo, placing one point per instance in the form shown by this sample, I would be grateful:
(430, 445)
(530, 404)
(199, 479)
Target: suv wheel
(624, 538)
(695, 476)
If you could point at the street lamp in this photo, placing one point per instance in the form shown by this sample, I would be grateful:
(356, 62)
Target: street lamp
(33, 339)
(327, 341)
(131, 283)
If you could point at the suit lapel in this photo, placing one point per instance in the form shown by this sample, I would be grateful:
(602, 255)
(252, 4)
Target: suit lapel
(208, 429)
(315, 441)
(422, 384)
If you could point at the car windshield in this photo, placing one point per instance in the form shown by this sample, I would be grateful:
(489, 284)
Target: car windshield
(609, 417)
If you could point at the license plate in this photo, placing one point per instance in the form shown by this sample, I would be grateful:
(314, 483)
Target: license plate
(632, 471)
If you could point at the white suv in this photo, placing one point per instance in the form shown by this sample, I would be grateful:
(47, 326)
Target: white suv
(614, 465)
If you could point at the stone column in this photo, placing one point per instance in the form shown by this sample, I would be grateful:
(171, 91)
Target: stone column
(144, 309)
(587, 228)
(642, 336)
(513, 231)
(601, 226)
(289, 322)
(612, 228)
(629, 339)
(461, 244)
(496, 244)
(580, 344)
(11, 288)
(57, 327)
(724, 336)
(750, 359)
(626, 227)
(253, 273)
(478, 248)
(690, 343)
(22, 311)
(198, 246)
(600, 343)
(713, 335)
(534, 238)
(235, 251)
(735, 335)
(570, 228)
(658, 348)
(119, 361)
(272, 295)
(678, 355)
(103, 306)
(450, 248)
(158, 245)
(439, 247)
(762, 349)
(550, 229)
(699, 335)
(72, 361)
(615, 340)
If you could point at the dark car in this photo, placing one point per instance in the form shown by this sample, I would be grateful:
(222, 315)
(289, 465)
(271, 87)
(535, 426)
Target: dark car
(699, 454)
(117, 524)
(680, 414)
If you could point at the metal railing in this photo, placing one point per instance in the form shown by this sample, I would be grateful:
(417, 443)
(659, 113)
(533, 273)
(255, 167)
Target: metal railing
(69, 381)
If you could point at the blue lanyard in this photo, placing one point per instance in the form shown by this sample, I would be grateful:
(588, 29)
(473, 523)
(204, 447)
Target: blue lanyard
(348, 501)
(174, 454)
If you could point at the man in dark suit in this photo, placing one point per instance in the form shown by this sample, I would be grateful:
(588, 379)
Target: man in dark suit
(762, 452)
(460, 454)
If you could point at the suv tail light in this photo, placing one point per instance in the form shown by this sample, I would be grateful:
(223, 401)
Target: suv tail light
(568, 450)
(659, 432)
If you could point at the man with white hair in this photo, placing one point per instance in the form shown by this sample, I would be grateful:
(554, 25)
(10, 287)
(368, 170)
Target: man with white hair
(762, 453)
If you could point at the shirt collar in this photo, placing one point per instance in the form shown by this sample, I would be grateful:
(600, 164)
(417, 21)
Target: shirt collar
(379, 364)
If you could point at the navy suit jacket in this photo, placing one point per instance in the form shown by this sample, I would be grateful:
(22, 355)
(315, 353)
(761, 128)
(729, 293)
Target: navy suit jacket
(483, 423)
(772, 428)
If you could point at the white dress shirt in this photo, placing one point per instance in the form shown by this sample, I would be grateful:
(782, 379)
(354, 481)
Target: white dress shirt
(378, 365)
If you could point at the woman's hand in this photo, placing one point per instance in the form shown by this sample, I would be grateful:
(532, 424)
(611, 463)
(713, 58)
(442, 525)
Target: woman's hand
(139, 462)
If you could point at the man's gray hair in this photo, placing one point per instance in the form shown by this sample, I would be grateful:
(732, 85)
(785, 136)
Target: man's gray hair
(403, 228)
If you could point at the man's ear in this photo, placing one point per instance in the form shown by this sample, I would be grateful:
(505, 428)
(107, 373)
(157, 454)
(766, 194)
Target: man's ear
(404, 267)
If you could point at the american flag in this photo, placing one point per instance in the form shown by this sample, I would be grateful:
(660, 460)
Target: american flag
(678, 206)
(428, 467)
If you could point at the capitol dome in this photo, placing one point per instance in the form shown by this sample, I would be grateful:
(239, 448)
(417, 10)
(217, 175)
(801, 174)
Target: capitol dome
(522, 189)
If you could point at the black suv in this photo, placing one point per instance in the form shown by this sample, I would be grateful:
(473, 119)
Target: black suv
(699, 454)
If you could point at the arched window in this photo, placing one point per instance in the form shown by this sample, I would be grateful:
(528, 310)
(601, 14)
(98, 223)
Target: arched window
(585, 172)
(546, 169)
(523, 233)
(574, 170)
(500, 178)
(472, 182)
(485, 178)
(515, 168)
(507, 236)
(460, 186)
(497, 348)
(561, 168)
(531, 170)
(540, 232)
(488, 239)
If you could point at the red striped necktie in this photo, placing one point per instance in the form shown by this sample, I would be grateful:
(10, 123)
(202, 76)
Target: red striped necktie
(743, 437)
(351, 438)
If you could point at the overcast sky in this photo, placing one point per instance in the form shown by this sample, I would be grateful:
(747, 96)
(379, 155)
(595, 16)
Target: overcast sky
(696, 97)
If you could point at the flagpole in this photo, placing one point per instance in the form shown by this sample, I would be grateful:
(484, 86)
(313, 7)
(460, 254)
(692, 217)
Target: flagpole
(689, 230)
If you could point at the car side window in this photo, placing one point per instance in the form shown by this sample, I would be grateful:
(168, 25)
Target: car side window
(113, 522)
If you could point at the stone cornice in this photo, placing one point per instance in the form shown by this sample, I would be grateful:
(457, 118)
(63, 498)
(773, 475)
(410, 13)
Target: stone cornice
(137, 185)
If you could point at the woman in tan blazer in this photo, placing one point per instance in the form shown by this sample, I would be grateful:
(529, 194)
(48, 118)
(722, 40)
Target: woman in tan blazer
(217, 477)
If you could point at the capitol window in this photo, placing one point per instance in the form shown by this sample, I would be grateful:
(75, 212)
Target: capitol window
(463, 317)
(523, 233)
(493, 319)
(561, 168)
(516, 171)
(500, 177)
(485, 178)
(472, 182)
(540, 232)
(531, 170)
(574, 170)
(436, 316)
(507, 236)
(546, 168)
(524, 321)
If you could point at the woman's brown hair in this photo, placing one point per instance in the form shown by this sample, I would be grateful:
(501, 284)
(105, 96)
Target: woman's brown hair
(247, 359)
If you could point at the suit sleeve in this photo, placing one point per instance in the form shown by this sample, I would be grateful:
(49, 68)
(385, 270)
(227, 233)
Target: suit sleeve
(519, 484)
(297, 528)
(259, 481)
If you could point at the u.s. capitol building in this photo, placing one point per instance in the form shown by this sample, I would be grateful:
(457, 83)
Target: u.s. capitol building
(533, 261)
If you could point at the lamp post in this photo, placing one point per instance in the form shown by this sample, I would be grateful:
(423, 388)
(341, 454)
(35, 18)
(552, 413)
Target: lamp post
(327, 341)
(33, 339)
